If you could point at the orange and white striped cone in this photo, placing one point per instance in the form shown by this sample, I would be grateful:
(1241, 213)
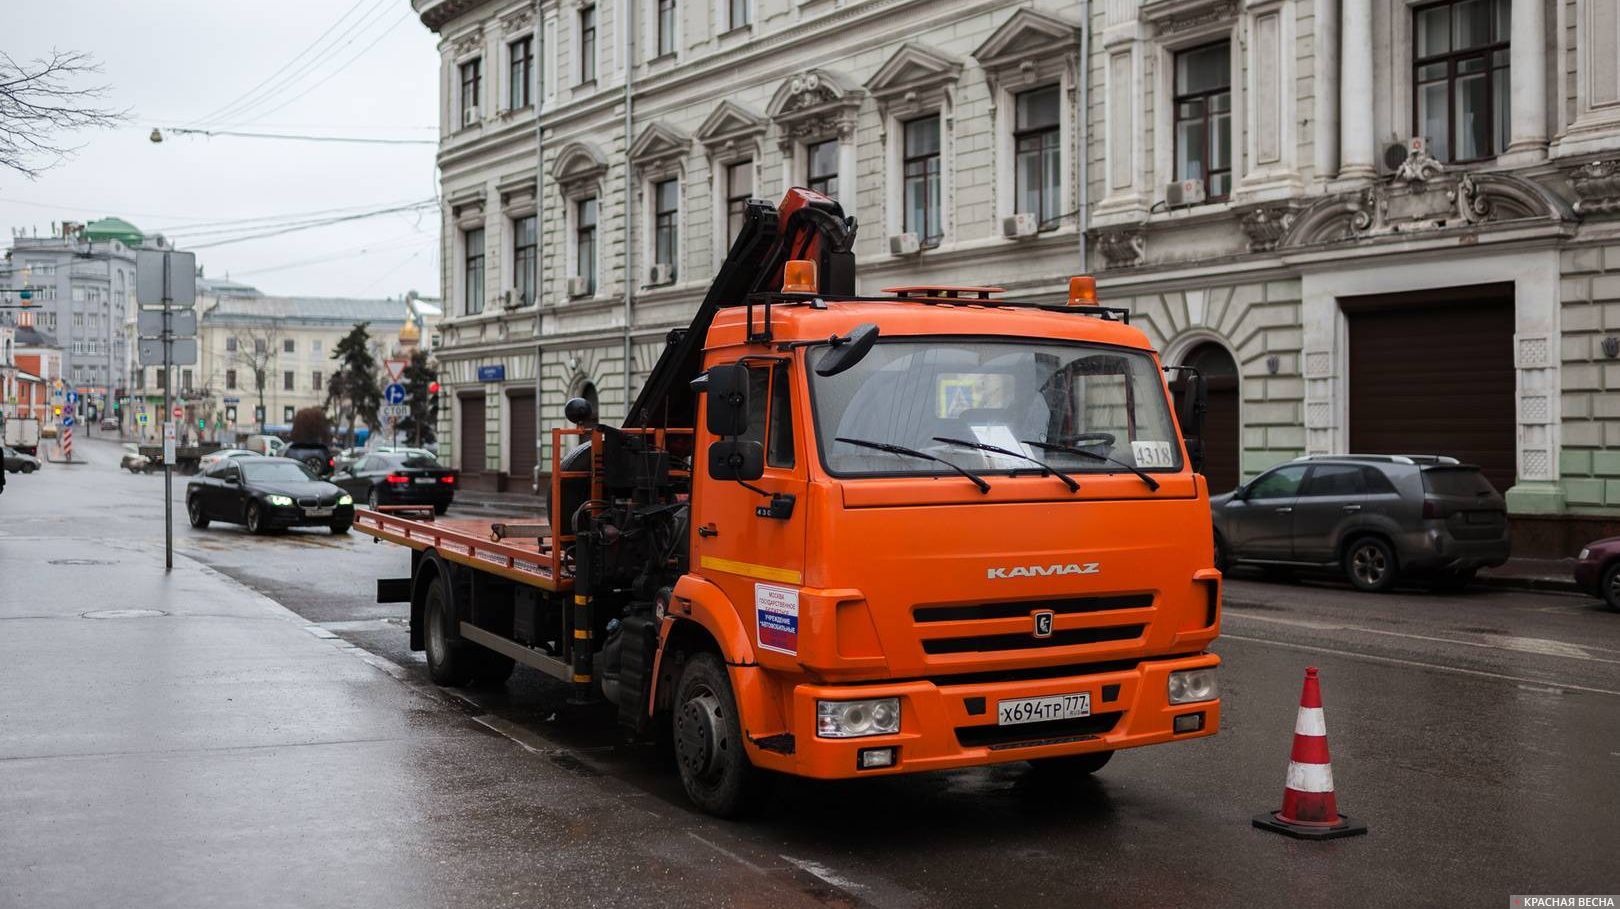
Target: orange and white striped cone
(1310, 811)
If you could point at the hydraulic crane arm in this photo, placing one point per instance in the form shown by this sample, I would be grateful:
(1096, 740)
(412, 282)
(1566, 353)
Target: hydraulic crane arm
(808, 225)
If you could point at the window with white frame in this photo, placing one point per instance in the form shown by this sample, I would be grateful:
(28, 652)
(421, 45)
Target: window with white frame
(525, 257)
(472, 87)
(821, 167)
(920, 172)
(585, 242)
(666, 224)
(739, 189)
(288, 345)
(587, 44)
(1203, 117)
(666, 27)
(520, 73)
(738, 13)
(472, 282)
(1037, 149)
(1460, 78)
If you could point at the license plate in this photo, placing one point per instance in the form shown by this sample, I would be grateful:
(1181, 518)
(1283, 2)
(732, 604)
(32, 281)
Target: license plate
(1480, 517)
(425, 481)
(317, 512)
(1040, 710)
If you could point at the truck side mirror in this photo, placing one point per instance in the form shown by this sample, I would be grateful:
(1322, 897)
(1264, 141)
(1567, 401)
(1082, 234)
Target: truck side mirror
(727, 390)
(848, 350)
(1190, 410)
(736, 459)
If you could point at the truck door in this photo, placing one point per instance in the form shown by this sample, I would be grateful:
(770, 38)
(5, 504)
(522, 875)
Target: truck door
(1330, 501)
(737, 543)
(1262, 522)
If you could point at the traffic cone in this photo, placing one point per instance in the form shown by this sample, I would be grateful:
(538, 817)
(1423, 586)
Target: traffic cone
(1309, 809)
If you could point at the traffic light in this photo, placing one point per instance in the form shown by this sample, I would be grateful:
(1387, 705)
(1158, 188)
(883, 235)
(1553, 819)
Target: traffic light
(58, 410)
(202, 423)
(115, 406)
(433, 388)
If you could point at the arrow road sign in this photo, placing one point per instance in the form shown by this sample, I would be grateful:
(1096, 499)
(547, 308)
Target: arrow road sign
(67, 419)
(73, 397)
(394, 393)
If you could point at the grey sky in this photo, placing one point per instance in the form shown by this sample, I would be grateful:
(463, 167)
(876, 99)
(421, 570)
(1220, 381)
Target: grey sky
(174, 61)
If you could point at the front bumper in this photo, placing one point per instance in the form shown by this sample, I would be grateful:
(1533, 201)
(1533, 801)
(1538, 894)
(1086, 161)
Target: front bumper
(945, 725)
(296, 516)
(1588, 573)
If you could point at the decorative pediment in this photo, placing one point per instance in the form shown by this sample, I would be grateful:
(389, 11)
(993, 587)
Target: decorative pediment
(577, 163)
(1408, 208)
(519, 20)
(812, 103)
(1026, 36)
(467, 42)
(728, 123)
(659, 144)
(1170, 17)
(913, 70)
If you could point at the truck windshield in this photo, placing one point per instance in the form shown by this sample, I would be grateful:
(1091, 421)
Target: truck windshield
(1006, 393)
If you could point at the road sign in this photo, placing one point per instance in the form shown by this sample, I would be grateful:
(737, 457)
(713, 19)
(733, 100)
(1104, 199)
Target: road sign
(230, 399)
(394, 393)
(495, 373)
(393, 411)
(73, 397)
(168, 442)
(151, 352)
(396, 368)
(67, 419)
(182, 322)
(182, 277)
(142, 418)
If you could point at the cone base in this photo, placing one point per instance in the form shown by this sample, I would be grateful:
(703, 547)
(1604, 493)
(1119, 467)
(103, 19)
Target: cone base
(1347, 826)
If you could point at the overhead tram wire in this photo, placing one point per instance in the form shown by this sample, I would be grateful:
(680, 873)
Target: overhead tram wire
(256, 110)
(362, 140)
(259, 220)
(218, 114)
(341, 67)
(309, 225)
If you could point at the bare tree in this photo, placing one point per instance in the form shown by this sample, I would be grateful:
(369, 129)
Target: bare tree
(253, 347)
(39, 100)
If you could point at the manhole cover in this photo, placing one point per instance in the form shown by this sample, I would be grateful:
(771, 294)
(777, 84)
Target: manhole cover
(124, 614)
(81, 562)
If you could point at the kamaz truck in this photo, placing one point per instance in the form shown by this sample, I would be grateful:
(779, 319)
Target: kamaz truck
(841, 535)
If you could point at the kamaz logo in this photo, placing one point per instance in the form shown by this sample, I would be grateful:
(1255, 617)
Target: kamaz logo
(1043, 571)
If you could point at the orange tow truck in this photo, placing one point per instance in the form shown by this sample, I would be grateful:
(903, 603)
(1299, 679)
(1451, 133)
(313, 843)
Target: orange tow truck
(842, 535)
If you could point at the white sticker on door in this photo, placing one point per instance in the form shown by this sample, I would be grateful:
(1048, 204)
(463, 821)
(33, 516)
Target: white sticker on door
(776, 617)
(1153, 453)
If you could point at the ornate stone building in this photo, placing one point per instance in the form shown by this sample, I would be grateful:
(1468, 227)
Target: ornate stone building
(1242, 175)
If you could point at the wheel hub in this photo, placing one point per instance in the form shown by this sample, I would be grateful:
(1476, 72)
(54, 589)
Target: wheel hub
(695, 734)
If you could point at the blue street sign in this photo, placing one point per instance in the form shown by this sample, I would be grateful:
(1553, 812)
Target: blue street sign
(394, 393)
(492, 373)
(67, 419)
(72, 398)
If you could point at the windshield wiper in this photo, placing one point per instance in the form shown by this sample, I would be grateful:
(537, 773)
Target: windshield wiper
(892, 448)
(1152, 484)
(982, 446)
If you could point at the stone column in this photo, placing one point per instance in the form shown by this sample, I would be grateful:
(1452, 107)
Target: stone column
(1357, 144)
(1527, 139)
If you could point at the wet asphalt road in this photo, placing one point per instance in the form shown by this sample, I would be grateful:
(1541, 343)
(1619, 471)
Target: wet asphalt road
(1477, 735)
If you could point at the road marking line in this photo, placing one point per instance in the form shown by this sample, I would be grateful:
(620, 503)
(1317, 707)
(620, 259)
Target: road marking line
(728, 854)
(1416, 663)
(824, 873)
(1541, 646)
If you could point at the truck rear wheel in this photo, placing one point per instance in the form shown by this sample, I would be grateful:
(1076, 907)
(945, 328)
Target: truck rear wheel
(1073, 767)
(448, 658)
(709, 751)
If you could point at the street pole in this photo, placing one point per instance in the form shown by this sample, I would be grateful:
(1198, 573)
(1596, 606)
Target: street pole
(168, 435)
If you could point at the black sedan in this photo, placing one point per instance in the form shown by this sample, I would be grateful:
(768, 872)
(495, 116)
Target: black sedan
(267, 494)
(399, 478)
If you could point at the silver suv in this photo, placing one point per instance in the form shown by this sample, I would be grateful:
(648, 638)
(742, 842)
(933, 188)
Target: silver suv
(1378, 518)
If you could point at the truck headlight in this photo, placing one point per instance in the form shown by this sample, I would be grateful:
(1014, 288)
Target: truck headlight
(345, 500)
(1193, 685)
(854, 719)
(278, 500)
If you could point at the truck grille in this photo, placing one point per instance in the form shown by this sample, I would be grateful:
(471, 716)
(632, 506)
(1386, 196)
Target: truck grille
(983, 642)
(1027, 735)
(1007, 627)
(1071, 606)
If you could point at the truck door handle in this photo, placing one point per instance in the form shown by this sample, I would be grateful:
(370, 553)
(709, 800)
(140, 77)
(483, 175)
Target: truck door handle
(1285, 509)
(1352, 508)
(708, 530)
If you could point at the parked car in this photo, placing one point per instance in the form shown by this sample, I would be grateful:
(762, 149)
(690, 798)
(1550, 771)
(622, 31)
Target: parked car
(266, 494)
(314, 455)
(214, 457)
(264, 444)
(399, 478)
(108, 424)
(19, 462)
(1378, 518)
(1597, 570)
(133, 461)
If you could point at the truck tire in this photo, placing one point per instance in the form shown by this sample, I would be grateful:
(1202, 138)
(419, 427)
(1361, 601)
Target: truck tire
(709, 752)
(449, 659)
(1369, 565)
(1072, 767)
(195, 513)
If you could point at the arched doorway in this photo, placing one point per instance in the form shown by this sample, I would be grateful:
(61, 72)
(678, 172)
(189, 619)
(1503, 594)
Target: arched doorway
(1223, 433)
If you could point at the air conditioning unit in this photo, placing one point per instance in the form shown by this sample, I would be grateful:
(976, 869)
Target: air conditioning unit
(470, 116)
(1395, 154)
(905, 244)
(1187, 192)
(510, 298)
(660, 273)
(1020, 225)
(579, 286)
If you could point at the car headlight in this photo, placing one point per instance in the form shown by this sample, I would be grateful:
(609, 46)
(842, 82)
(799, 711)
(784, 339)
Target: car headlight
(345, 500)
(1193, 685)
(1584, 554)
(854, 719)
(278, 500)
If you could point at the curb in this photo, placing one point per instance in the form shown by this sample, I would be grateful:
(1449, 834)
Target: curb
(1529, 582)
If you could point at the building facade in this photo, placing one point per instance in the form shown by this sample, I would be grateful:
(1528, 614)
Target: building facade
(1377, 225)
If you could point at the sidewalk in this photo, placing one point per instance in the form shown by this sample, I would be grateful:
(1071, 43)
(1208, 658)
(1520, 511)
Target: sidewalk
(1531, 574)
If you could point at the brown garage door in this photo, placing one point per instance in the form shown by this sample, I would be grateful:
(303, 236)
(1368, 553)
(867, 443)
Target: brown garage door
(1432, 373)
(472, 434)
(520, 453)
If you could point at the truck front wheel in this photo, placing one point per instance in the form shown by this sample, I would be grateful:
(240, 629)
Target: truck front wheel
(709, 751)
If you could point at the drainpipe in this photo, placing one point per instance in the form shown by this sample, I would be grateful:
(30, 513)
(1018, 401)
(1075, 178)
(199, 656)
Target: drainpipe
(539, 89)
(1082, 210)
(629, 8)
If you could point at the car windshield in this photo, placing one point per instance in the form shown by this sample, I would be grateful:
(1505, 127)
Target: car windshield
(269, 471)
(1108, 402)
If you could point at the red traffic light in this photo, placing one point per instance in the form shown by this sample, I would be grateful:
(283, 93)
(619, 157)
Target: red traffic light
(433, 388)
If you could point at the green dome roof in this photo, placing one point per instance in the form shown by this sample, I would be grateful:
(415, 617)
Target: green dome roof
(114, 229)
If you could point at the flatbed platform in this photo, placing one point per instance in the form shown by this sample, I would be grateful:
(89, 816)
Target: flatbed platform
(472, 542)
